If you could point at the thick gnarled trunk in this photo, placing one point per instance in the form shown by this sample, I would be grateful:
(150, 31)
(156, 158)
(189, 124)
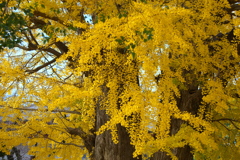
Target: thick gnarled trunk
(188, 101)
(105, 149)
(181, 154)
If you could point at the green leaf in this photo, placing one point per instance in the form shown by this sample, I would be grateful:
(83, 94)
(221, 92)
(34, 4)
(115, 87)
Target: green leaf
(28, 12)
(144, 1)
(58, 11)
(2, 5)
(132, 45)
(138, 32)
(121, 40)
(179, 84)
(102, 18)
(124, 14)
(133, 55)
(72, 28)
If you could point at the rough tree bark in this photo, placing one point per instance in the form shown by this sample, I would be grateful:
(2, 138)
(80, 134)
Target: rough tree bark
(104, 148)
(188, 101)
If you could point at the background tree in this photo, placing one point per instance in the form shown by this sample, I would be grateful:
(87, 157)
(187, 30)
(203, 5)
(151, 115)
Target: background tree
(120, 79)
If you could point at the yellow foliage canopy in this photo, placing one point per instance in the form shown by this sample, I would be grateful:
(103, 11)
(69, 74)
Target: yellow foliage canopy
(167, 71)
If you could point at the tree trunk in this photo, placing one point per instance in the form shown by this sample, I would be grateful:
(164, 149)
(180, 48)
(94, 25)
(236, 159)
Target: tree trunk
(105, 149)
(188, 101)
(181, 154)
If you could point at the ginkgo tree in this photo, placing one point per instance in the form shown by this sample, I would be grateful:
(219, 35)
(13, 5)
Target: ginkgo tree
(115, 80)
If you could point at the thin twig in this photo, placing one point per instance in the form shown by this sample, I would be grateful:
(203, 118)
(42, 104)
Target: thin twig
(73, 144)
(45, 110)
(33, 38)
(235, 125)
(226, 119)
(223, 125)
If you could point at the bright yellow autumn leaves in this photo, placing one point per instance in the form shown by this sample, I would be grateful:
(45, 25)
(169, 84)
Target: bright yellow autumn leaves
(113, 63)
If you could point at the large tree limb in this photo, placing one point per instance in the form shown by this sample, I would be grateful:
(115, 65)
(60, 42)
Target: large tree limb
(30, 48)
(34, 47)
(51, 50)
(40, 24)
(41, 67)
(38, 13)
(45, 110)
(62, 47)
(88, 140)
(232, 1)
(81, 14)
(233, 7)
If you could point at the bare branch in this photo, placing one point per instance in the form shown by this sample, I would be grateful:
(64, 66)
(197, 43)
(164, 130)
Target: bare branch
(51, 50)
(56, 110)
(25, 48)
(33, 38)
(55, 72)
(31, 58)
(68, 77)
(62, 47)
(34, 47)
(38, 13)
(42, 66)
(88, 140)
(235, 125)
(226, 119)
(76, 132)
(223, 126)
(232, 1)
(37, 23)
(73, 144)
(62, 143)
(235, 7)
